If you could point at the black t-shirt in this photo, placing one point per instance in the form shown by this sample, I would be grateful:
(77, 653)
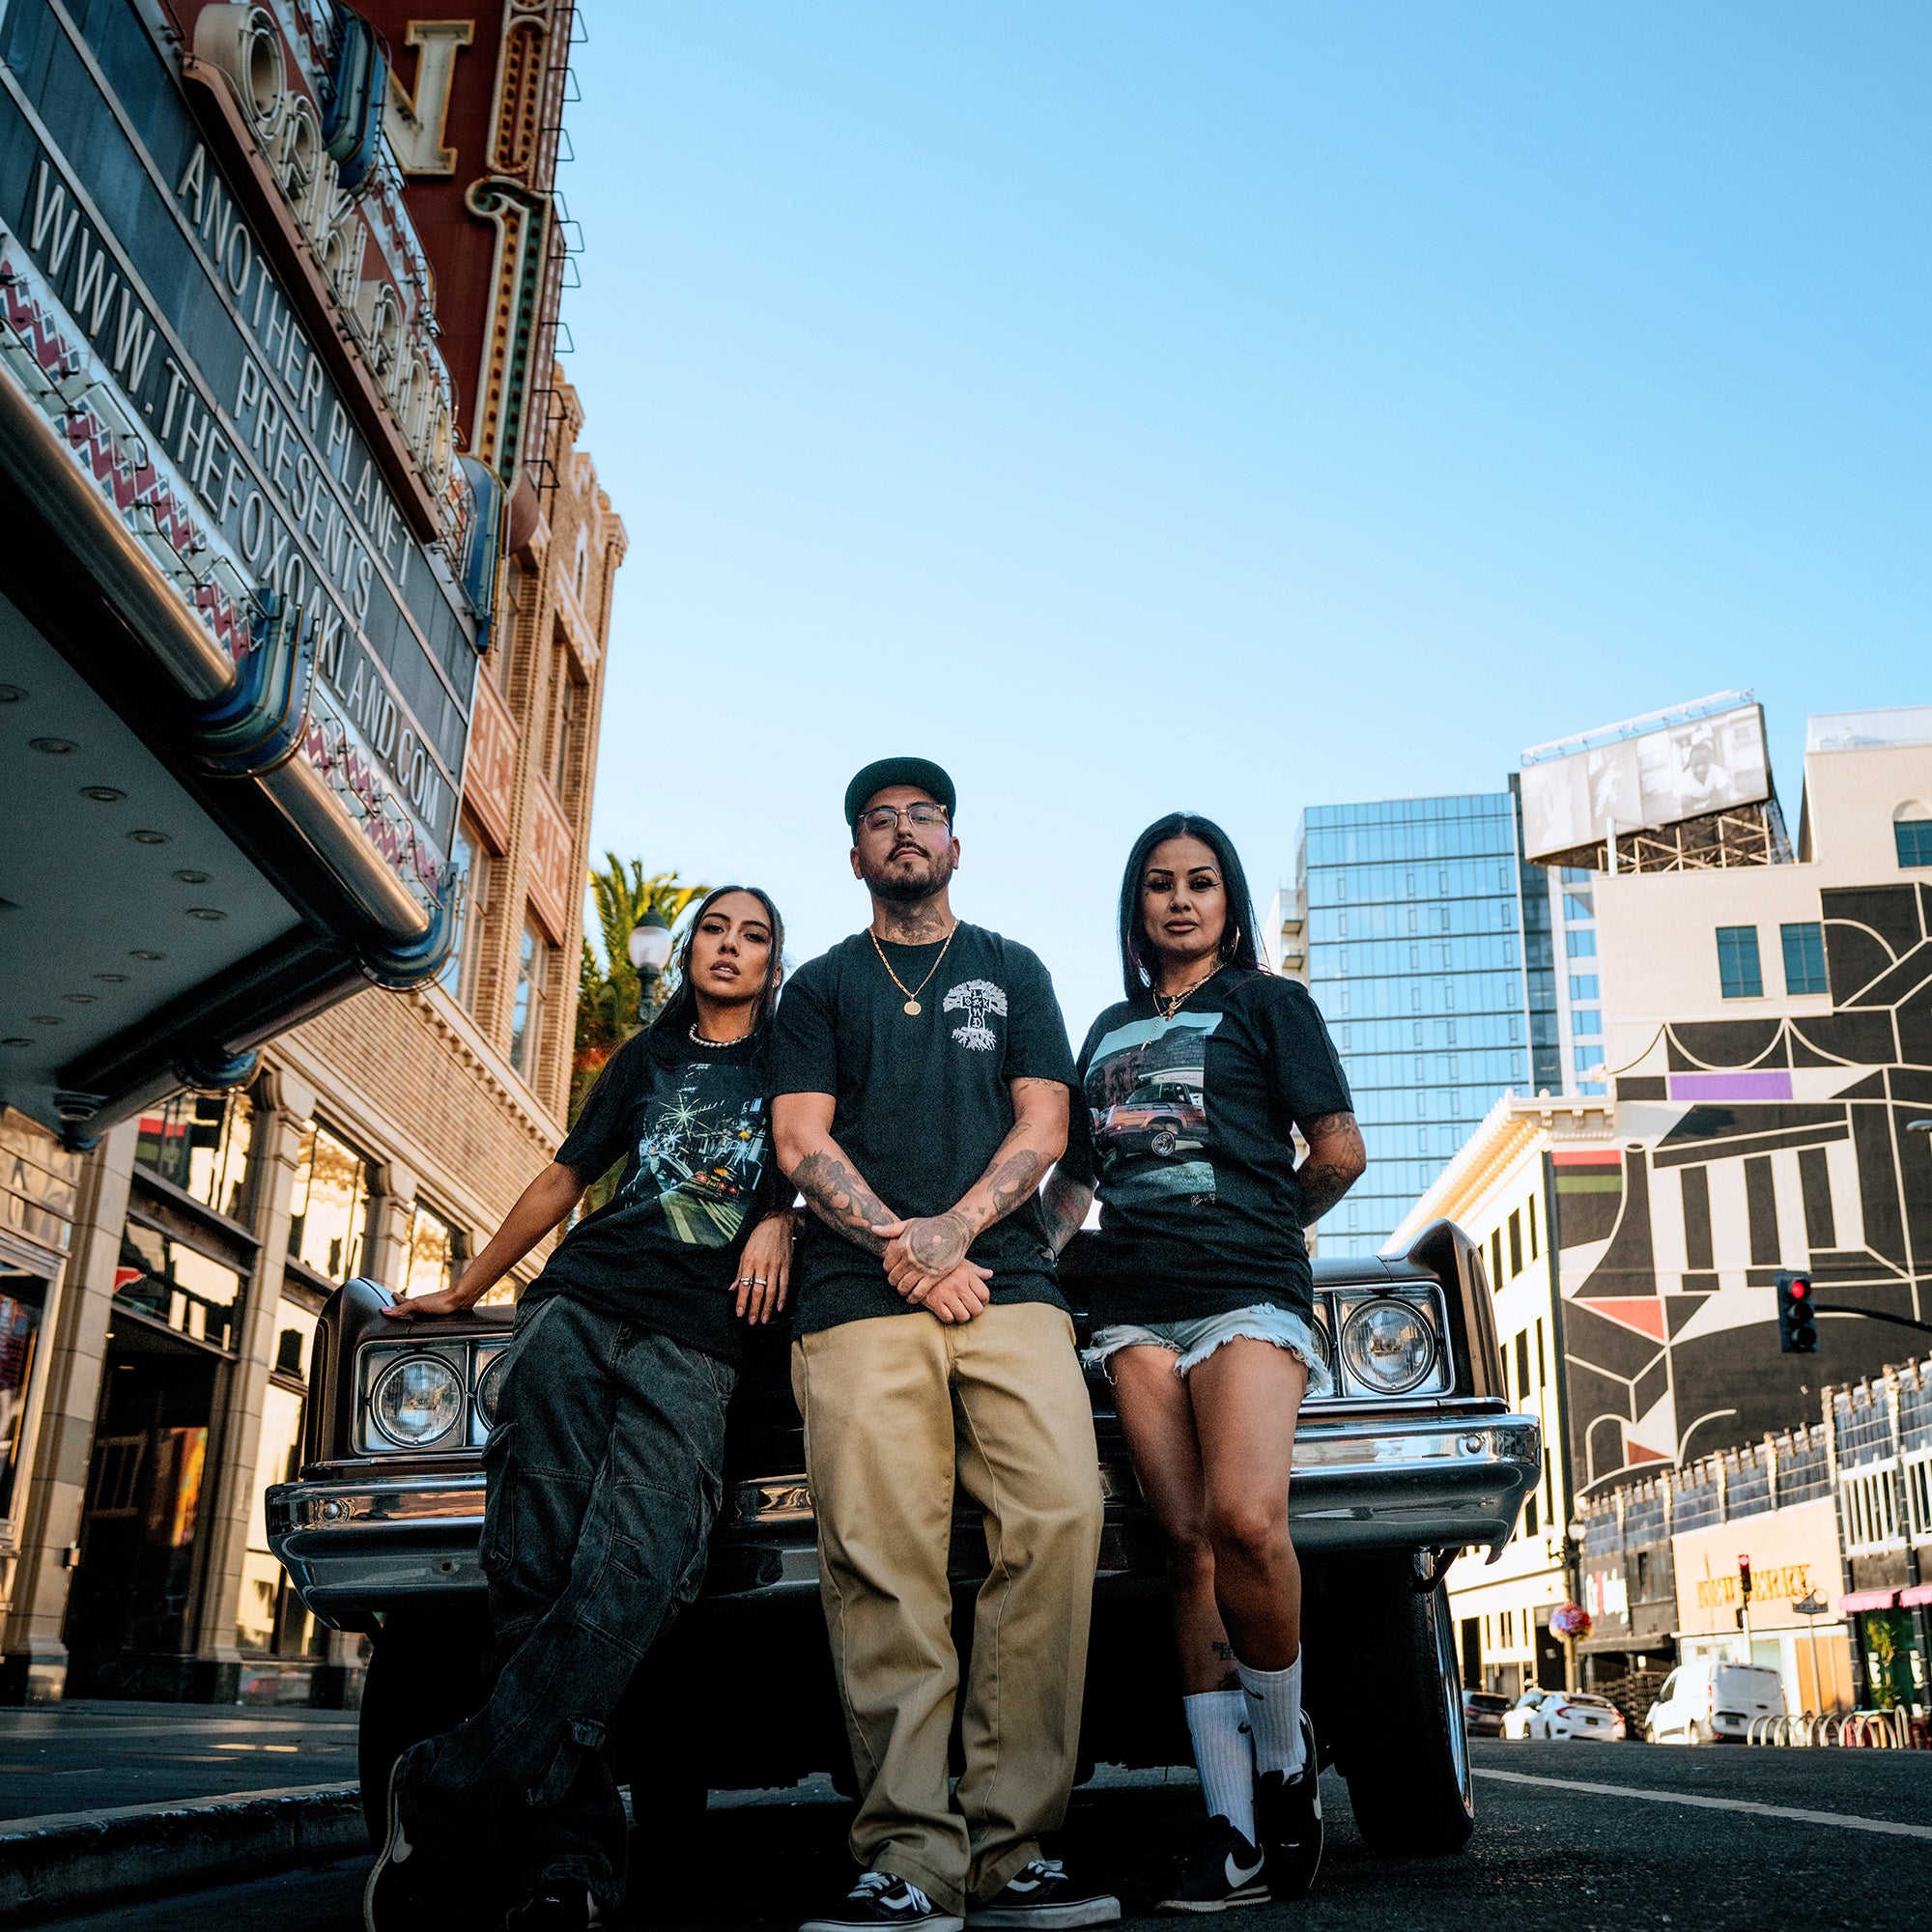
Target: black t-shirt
(1188, 1124)
(693, 1126)
(922, 1101)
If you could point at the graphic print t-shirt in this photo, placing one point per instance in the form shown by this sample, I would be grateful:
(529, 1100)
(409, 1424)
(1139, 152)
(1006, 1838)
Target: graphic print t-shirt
(922, 1101)
(1188, 1139)
(692, 1127)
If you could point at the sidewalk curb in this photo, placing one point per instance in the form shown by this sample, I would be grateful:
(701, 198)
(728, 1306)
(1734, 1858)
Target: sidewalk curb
(73, 1861)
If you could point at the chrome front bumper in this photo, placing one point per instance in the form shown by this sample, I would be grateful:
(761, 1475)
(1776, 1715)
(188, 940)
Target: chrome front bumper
(356, 1546)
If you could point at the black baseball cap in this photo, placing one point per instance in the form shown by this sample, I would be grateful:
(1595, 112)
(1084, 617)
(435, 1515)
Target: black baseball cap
(883, 772)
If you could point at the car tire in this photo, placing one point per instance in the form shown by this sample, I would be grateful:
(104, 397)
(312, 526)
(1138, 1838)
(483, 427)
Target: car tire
(421, 1681)
(1408, 1765)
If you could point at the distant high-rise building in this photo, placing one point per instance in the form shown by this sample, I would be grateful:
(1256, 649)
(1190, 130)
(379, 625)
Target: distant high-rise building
(1426, 941)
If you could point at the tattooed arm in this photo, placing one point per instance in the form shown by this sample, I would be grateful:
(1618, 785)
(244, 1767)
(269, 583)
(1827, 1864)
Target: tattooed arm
(1065, 1202)
(1336, 1159)
(930, 1248)
(817, 1166)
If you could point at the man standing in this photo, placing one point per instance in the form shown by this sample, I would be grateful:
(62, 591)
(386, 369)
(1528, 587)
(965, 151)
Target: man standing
(921, 1080)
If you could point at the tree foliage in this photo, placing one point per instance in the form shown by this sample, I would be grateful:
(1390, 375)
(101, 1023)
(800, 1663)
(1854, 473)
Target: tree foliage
(611, 1003)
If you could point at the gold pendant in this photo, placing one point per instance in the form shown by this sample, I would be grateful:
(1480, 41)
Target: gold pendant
(913, 1008)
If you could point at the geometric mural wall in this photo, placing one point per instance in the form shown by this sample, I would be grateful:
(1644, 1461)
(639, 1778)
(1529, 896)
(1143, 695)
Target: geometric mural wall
(1746, 1146)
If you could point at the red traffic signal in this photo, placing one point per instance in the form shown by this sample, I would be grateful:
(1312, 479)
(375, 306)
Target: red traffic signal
(1743, 1576)
(1797, 1322)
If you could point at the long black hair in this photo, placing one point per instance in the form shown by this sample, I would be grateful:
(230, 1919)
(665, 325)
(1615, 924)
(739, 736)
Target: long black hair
(675, 1018)
(1238, 941)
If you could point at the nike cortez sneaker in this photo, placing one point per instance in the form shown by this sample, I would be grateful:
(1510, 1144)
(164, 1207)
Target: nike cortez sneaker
(554, 1906)
(402, 1895)
(1227, 1872)
(881, 1899)
(1288, 1821)
(1043, 1894)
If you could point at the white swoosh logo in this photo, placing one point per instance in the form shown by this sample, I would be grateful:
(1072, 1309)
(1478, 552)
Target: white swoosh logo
(1236, 1877)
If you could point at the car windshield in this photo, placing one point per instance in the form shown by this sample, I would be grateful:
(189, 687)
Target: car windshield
(1483, 1700)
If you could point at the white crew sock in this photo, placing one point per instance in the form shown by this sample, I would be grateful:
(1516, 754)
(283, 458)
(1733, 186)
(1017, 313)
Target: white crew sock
(1274, 1714)
(1217, 1721)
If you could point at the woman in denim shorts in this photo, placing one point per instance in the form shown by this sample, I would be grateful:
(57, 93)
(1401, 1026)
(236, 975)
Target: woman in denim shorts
(1202, 1304)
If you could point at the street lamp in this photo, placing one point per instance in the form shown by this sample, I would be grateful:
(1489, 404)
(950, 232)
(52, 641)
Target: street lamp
(649, 948)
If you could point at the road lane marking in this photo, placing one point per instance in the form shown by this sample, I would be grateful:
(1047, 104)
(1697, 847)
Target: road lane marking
(1844, 1820)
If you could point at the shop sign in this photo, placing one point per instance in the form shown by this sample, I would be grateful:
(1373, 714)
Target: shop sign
(142, 315)
(1792, 1552)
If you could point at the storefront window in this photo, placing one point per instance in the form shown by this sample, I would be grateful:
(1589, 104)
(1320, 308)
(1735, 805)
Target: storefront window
(22, 1301)
(330, 1212)
(171, 1283)
(200, 1143)
(431, 1262)
(270, 1616)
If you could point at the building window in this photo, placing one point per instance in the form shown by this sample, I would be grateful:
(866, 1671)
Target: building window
(1739, 973)
(1515, 1263)
(23, 1300)
(1530, 1208)
(1912, 829)
(1584, 1059)
(470, 865)
(178, 1286)
(329, 1220)
(1581, 944)
(1803, 958)
(200, 1143)
(1497, 1261)
(569, 718)
(1583, 987)
(431, 1264)
(1578, 905)
(527, 1008)
(1586, 1022)
(1578, 875)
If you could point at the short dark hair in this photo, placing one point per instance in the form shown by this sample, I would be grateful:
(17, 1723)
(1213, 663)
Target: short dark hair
(678, 1012)
(1241, 953)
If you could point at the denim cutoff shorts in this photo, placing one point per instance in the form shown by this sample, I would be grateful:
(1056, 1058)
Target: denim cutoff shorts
(1193, 1341)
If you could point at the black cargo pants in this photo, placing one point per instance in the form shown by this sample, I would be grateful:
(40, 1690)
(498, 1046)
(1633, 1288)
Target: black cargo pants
(605, 1477)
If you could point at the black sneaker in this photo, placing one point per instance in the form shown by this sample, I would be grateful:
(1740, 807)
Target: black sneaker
(565, 1905)
(402, 1894)
(1288, 1821)
(1226, 1872)
(881, 1899)
(1043, 1893)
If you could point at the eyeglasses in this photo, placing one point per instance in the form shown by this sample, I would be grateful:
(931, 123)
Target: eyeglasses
(886, 817)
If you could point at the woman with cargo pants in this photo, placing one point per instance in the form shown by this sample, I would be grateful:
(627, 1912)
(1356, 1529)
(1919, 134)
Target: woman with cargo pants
(605, 1461)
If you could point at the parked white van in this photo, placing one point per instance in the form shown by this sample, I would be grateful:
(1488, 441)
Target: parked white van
(1712, 1702)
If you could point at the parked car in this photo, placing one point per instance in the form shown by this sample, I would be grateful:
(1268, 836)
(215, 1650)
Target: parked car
(1483, 1713)
(1563, 1713)
(378, 1533)
(1712, 1702)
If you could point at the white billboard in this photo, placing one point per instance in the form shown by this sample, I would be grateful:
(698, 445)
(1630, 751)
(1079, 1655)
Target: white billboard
(1656, 777)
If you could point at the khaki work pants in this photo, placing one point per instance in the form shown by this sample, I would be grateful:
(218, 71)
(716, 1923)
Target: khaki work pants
(896, 1408)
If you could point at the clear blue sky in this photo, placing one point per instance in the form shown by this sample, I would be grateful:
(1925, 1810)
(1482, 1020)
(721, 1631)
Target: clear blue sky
(1236, 406)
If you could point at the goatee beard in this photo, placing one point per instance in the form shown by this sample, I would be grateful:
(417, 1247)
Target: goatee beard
(906, 891)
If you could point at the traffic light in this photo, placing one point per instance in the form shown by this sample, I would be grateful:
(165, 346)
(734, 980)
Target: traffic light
(1743, 1576)
(1797, 1323)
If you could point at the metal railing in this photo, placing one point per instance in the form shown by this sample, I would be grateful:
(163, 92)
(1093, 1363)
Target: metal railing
(1868, 1730)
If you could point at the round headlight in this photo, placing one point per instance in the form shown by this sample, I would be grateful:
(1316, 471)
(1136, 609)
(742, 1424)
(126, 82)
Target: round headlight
(419, 1401)
(1388, 1346)
(490, 1387)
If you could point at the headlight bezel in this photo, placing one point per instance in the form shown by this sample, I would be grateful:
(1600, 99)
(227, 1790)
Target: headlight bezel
(1336, 1305)
(454, 1395)
(467, 1359)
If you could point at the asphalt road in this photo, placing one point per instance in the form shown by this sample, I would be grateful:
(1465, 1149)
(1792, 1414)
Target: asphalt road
(1546, 1854)
(88, 1756)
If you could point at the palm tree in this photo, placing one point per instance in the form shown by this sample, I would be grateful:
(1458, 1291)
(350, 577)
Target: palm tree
(611, 1003)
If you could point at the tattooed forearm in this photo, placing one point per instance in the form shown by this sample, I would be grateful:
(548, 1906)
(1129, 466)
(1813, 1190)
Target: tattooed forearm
(1064, 1203)
(837, 1195)
(1336, 1160)
(1013, 1180)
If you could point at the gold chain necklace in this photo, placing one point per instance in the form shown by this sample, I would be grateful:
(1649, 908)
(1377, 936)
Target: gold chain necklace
(1173, 1005)
(912, 993)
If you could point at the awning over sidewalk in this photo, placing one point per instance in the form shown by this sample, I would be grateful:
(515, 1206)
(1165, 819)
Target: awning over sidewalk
(1868, 1600)
(1919, 1594)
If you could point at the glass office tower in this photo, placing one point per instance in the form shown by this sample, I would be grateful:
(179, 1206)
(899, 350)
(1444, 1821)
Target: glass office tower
(1429, 953)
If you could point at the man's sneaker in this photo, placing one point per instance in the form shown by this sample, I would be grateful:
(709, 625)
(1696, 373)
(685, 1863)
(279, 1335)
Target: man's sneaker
(401, 1895)
(1288, 1821)
(554, 1906)
(1042, 1894)
(881, 1899)
(1226, 1872)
